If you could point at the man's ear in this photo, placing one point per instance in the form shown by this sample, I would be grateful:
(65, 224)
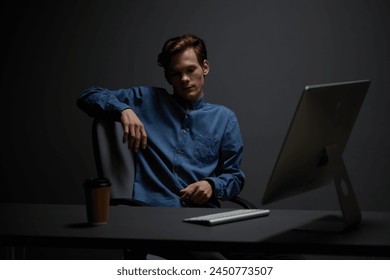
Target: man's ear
(205, 67)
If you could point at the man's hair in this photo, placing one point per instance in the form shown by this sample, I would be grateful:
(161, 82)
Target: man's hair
(180, 44)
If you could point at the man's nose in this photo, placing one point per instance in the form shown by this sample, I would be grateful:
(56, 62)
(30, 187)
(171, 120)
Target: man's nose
(185, 78)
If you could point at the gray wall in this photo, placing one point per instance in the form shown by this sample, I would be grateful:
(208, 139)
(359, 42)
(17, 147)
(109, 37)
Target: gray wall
(262, 54)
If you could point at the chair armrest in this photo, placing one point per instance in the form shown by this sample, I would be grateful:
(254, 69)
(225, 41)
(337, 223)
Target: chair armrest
(127, 201)
(243, 202)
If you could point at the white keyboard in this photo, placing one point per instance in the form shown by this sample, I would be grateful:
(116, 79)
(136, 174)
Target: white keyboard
(228, 216)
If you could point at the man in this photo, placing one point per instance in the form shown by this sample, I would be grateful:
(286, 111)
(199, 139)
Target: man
(188, 152)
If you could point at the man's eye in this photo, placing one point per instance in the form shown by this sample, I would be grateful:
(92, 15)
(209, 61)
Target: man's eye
(173, 74)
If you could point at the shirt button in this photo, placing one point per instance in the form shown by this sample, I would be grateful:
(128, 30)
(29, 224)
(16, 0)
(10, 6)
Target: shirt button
(179, 151)
(184, 131)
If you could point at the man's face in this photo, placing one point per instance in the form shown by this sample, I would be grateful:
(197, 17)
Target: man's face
(186, 75)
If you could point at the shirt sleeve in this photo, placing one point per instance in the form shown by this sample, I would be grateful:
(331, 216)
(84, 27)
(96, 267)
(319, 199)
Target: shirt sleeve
(97, 101)
(229, 179)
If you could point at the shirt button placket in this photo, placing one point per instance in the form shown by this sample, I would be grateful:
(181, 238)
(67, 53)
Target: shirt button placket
(182, 140)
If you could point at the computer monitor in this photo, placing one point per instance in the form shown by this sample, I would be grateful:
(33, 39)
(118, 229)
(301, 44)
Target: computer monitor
(311, 155)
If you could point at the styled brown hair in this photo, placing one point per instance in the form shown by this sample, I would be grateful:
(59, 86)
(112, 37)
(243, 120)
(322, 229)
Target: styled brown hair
(180, 44)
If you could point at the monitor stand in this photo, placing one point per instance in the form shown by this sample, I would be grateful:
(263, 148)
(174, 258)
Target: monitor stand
(350, 210)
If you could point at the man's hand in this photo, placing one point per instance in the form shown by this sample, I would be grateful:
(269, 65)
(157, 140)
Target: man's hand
(198, 192)
(133, 130)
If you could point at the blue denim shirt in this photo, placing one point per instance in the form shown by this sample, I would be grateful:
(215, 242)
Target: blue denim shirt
(187, 142)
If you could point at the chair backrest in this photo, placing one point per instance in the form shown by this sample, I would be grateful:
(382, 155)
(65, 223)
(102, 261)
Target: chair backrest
(112, 157)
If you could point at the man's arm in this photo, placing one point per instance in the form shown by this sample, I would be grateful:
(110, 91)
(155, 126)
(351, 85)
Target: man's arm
(115, 104)
(229, 179)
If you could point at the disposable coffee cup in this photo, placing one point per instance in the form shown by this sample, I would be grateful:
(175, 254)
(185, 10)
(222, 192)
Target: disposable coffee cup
(97, 199)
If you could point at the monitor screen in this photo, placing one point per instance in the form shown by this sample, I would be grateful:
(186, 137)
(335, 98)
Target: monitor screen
(311, 154)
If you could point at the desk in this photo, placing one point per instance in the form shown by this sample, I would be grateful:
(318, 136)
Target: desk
(154, 228)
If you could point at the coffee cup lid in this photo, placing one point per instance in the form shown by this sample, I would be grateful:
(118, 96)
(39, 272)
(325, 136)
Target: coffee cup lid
(97, 182)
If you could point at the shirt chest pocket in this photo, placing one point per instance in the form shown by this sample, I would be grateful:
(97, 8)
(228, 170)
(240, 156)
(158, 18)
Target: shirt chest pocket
(206, 148)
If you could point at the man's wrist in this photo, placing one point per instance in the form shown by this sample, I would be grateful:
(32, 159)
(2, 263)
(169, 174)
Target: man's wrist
(211, 182)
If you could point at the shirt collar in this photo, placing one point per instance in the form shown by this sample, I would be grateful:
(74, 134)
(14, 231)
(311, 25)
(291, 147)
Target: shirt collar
(192, 105)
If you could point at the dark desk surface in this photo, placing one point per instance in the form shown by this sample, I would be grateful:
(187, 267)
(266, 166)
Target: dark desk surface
(162, 228)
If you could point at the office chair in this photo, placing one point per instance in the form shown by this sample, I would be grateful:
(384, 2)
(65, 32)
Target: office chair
(115, 161)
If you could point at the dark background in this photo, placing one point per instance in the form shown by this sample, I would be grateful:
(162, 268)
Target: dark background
(262, 54)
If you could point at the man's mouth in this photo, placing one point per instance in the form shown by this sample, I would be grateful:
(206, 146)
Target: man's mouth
(188, 88)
